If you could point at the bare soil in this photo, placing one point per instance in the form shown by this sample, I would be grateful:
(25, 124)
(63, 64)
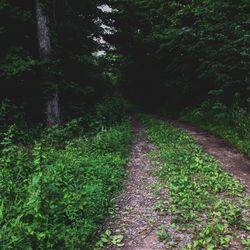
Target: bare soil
(136, 217)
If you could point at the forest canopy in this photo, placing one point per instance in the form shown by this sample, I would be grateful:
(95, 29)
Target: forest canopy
(154, 52)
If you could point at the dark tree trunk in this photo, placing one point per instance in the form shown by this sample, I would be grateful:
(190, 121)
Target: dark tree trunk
(53, 109)
(43, 32)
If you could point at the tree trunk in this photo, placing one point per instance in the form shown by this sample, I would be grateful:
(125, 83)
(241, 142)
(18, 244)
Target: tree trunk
(43, 32)
(53, 109)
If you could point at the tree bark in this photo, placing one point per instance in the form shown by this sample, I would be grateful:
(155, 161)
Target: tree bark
(43, 32)
(53, 109)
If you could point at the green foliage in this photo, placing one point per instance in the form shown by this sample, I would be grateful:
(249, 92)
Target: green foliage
(16, 64)
(180, 50)
(111, 110)
(162, 234)
(26, 79)
(159, 51)
(246, 242)
(9, 114)
(59, 135)
(108, 238)
(231, 123)
(56, 197)
(200, 191)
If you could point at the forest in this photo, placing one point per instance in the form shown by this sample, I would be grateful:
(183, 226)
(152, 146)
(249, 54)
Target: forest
(125, 124)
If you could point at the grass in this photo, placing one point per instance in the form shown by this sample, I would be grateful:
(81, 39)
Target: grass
(203, 197)
(56, 197)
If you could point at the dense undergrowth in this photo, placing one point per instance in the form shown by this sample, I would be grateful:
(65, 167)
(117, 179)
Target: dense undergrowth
(231, 123)
(204, 199)
(56, 190)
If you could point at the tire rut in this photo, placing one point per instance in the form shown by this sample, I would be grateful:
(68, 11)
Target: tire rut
(136, 217)
(229, 158)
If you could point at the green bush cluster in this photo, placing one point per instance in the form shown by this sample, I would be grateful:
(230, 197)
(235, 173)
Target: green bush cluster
(9, 113)
(111, 110)
(200, 191)
(56, 197)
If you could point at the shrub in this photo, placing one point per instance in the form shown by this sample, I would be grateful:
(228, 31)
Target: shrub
(110, 111)
(57, 197)
(9, 113)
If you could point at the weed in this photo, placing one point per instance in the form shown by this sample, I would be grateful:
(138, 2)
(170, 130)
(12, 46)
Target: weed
(55, 197)
(162, 234)
(199, 190)
(108, 239)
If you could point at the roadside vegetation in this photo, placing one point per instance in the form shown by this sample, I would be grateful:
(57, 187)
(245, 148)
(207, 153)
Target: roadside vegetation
(205, 201)
(232, 123)
(56, 188)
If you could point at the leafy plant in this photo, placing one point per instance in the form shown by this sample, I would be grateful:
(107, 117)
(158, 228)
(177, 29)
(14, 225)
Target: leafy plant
(111, 110)
(162, 234)
(246, 242)
(56, 196)
(108, 239)
(195, 183)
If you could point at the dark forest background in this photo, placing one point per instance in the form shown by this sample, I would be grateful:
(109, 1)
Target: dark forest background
(158, 53)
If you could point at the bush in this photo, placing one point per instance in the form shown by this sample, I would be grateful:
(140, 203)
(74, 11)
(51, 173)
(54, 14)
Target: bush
(57, 197)
(9, 113)
(59, 135)
(110, 111)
